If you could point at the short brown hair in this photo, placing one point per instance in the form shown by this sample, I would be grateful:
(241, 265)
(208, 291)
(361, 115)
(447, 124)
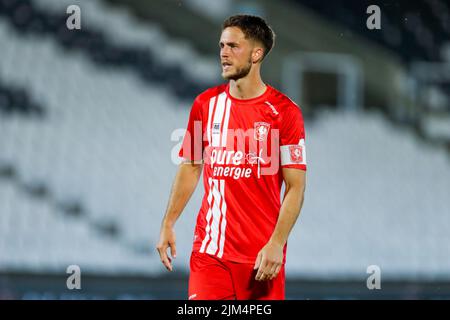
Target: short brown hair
(253, 27)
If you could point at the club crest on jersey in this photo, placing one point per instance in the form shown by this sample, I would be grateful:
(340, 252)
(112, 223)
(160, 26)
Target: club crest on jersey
(296, 153)
(261, 130)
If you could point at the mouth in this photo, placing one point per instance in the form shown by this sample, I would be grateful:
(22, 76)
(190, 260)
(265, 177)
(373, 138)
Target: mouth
(226, 65)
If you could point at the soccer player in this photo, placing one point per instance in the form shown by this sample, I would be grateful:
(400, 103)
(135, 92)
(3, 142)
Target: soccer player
(247, 138)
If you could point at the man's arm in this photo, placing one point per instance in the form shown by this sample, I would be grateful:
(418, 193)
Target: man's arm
(270, 258)
(183, 187)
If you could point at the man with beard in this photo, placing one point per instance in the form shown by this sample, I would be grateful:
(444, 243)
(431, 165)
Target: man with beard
(247, 138)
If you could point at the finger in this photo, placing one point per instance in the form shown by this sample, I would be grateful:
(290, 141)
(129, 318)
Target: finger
(167, 263)
(173, 250)
(258, 261)
(268, 270)
(271, 271)
(262, 275)
(275, 273)
(259, 274)
(261, 269)
(162, 250)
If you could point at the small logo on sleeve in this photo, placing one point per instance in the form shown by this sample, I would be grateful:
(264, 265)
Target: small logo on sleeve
(296, 152)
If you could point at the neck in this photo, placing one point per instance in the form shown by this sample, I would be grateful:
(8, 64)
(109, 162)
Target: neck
(251, 86)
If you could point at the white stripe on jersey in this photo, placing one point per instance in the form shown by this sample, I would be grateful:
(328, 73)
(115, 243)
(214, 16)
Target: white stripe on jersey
(216, 212)
(217, 121)
(224, 219)
(208, 215)
(212, 101)
(217, 132)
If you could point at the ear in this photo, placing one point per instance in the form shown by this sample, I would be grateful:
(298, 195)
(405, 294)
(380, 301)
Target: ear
(257, 55)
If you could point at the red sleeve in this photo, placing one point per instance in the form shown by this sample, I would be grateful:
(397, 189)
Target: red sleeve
(292, 139)
(192, 147)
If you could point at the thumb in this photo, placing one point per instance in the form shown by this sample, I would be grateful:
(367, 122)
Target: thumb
(258, 261)
(173, 250)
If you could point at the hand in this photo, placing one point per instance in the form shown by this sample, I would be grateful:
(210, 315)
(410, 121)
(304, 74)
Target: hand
(269, 261)
(167, 240)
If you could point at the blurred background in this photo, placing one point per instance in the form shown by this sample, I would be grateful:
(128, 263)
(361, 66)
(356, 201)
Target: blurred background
(87, 132)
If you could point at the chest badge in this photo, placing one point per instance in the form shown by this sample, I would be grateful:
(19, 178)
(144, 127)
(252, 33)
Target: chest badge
(261, 129)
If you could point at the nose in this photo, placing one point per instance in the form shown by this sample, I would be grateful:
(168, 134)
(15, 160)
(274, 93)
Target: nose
(224, 52)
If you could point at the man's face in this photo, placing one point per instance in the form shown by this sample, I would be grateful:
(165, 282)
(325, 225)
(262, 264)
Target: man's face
(235, 54)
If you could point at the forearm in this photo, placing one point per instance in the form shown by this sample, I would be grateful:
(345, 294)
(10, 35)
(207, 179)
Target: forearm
(183, 187)
(289, 212)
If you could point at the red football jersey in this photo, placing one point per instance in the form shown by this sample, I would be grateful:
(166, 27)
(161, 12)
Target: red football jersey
(243, 144)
